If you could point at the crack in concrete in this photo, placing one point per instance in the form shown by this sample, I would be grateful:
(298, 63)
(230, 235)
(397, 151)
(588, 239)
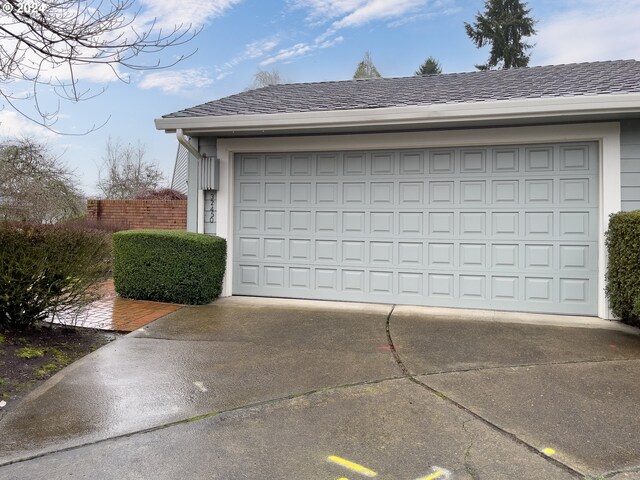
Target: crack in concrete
(523, 365)
(204, 416)
(409, 376)
(613, 473)
(405, 374)
(468, 466)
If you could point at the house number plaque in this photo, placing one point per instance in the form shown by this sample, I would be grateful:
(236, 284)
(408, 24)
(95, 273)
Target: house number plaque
(210, 211)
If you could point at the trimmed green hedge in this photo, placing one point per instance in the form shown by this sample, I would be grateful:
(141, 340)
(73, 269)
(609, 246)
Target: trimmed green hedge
(623, 271)
(168, 265)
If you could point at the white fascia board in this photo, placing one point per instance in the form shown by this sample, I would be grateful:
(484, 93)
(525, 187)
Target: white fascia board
(428, 115)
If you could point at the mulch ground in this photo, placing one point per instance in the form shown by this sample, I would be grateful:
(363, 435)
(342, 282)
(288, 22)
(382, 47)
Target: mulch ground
(28, 358)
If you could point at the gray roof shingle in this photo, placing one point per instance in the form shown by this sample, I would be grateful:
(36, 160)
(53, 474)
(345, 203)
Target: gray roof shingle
(596, 78)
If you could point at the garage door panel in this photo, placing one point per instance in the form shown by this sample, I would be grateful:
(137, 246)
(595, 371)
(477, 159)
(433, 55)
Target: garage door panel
(442, 162)
(459, 256)
(249, 165)
(539, 159)
(502, 292)
(509, 227)
(327, 164)
(383, 163)
(576, 158)
(506, 160)
(539, 191)
(301, 164)
(505, 192)
(575, 191)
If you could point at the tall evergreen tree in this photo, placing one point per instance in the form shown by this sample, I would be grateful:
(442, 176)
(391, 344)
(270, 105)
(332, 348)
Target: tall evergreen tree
(503, 25)
(366, 68)
(429, 67)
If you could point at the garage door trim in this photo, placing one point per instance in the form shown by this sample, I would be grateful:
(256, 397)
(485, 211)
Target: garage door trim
(607, 134)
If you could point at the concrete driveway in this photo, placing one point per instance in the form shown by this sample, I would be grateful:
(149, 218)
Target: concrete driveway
(268, 389)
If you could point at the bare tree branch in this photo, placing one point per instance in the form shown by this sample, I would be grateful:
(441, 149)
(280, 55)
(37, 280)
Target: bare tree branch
(125, 172)
(264, 78)
(46, 42)
(35, 186)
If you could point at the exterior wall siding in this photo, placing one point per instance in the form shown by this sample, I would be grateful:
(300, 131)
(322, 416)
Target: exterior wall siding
(139, 214)
(630, 164)
(179, 178)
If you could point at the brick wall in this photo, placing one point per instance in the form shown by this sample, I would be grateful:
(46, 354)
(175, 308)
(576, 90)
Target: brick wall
(137, 214)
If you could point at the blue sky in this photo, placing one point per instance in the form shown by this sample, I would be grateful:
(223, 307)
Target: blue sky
(306, 41)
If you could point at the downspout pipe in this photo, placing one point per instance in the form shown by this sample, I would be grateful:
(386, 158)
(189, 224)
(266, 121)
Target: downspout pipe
(186, 144)
(194, 202)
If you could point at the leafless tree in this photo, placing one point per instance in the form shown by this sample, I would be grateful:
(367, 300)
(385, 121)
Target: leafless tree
(35, 186)
(45, 42)
(162, 194)
(125, 173)
(264, 78)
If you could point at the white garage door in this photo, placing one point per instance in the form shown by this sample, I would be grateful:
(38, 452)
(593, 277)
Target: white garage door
(508, 228)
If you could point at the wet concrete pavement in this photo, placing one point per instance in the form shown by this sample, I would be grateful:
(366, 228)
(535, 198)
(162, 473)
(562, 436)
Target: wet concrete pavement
(249, 388)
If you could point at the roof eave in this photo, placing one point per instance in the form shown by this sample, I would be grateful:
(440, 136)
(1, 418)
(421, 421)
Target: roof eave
(429, 116)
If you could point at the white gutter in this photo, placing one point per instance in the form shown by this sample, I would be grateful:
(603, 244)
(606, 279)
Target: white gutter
(186, 144)
(428, 115)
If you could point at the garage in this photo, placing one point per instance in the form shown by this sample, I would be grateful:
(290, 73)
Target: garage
(505, 227)
(487, 190)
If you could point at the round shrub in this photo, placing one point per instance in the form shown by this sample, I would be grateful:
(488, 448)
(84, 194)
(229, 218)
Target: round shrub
(168, 266)
(47, 270)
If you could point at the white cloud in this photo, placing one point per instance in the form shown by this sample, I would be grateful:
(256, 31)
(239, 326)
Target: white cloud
(355, 13)
(590, 31)
(341, 14)
(13, 124)
(323, 10)
(423, 16)
(170, 13)
(286, 55)
(259, 48)
(252, 51)
(298, 50)
(94, 72)
(378, 10)
(330, 43)
(176, 81)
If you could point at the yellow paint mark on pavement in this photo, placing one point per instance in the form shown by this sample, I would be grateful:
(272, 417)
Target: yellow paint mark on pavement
(433, 476)
(548, 451)
(354, 467)
(437, 473)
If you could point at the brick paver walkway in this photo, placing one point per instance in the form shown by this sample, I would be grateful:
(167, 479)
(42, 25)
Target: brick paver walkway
(122, 314)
